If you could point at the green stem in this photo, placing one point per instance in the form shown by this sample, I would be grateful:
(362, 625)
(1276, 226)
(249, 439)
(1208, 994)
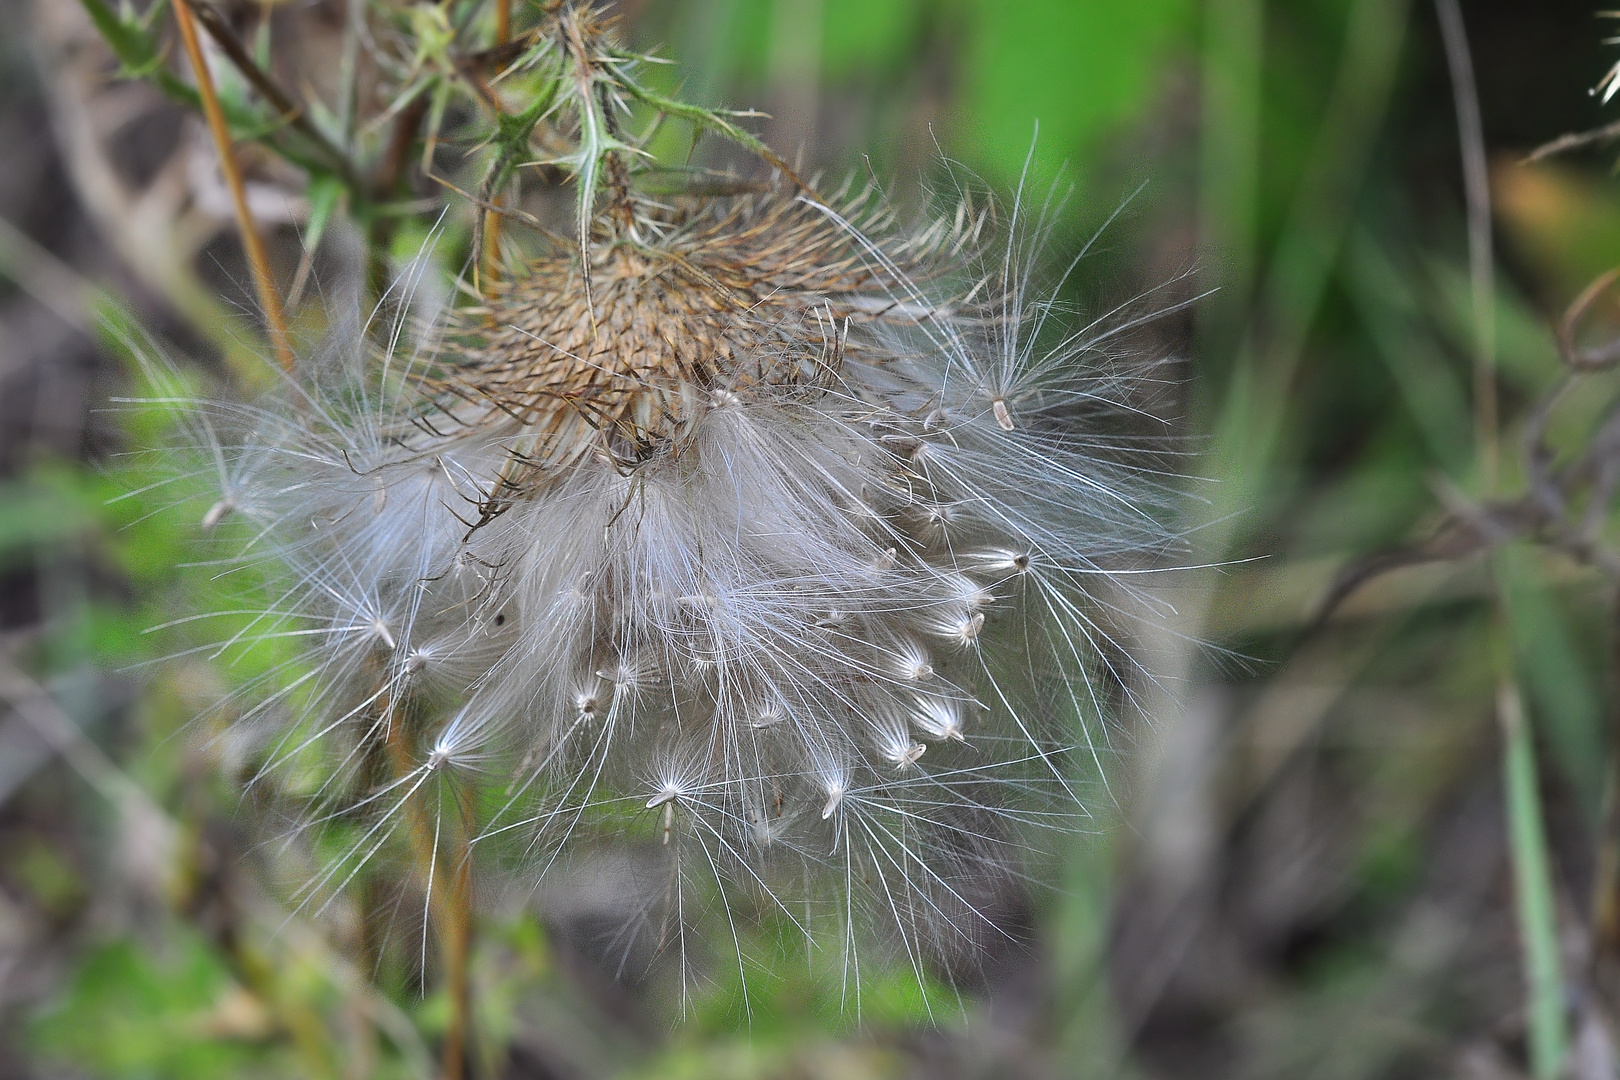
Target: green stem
(1533, 888)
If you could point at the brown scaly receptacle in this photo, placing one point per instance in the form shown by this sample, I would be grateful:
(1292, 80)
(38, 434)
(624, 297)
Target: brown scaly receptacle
(705, 297)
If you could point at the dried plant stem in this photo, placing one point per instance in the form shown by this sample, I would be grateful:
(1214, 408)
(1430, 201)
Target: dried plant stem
(252, 243)
(1573, 141)
(289, 111)
(50, 281)
(1477, 191)
(457, 945)
(385, 183)
(490, 241)
(1534, 891)
(450, 896)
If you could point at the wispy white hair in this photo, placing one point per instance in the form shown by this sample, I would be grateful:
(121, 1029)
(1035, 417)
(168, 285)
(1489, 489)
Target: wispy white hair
(864, 622)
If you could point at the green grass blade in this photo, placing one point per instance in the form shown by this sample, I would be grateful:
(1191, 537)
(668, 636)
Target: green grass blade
(1533, 889)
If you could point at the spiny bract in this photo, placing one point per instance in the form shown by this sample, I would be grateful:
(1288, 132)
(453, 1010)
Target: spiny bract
(752, 525)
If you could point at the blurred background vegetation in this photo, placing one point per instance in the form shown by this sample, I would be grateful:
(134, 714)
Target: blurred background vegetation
(1368, 824)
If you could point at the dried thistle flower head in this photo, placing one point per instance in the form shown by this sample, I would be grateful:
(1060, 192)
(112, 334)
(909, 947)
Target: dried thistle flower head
(684, 307)
(753, 526)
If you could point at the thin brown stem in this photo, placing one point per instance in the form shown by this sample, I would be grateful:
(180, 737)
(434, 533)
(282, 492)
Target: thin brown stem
(252, 242)
(488, 242)
(1477, 189)
(486, 245)
(385, 183)
(490, 238)
(450, 897)
(457, 947)
(290, 112)
(1575, 141)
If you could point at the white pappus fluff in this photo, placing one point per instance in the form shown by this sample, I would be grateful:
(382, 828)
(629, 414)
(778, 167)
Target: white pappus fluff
(855, 620)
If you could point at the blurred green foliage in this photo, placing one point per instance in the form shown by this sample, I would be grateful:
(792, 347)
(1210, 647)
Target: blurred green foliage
(1078, 72)
(139, 1011)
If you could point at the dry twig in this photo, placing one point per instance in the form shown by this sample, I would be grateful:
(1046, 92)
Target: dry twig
(252, 242)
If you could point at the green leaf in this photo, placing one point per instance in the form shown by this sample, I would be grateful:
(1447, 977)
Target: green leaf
(132, 1011)
(1533, 888)
(130, 43)
(867, 34)
(33, 515)
(708, 119)
(1078, 68)
(1567, 704)
(324, 192)
(141, 59)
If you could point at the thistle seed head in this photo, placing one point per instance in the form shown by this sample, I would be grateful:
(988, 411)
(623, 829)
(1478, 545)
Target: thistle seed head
(824, 510)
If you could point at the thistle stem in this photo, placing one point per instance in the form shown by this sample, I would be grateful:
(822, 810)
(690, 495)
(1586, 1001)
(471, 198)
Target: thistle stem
(289, 111)
(269, 300)
(457, 947)
(389, 174)
(450, 896)
(490, 241)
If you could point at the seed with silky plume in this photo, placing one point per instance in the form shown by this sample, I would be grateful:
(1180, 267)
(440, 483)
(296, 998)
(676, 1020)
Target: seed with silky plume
(785, 530)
